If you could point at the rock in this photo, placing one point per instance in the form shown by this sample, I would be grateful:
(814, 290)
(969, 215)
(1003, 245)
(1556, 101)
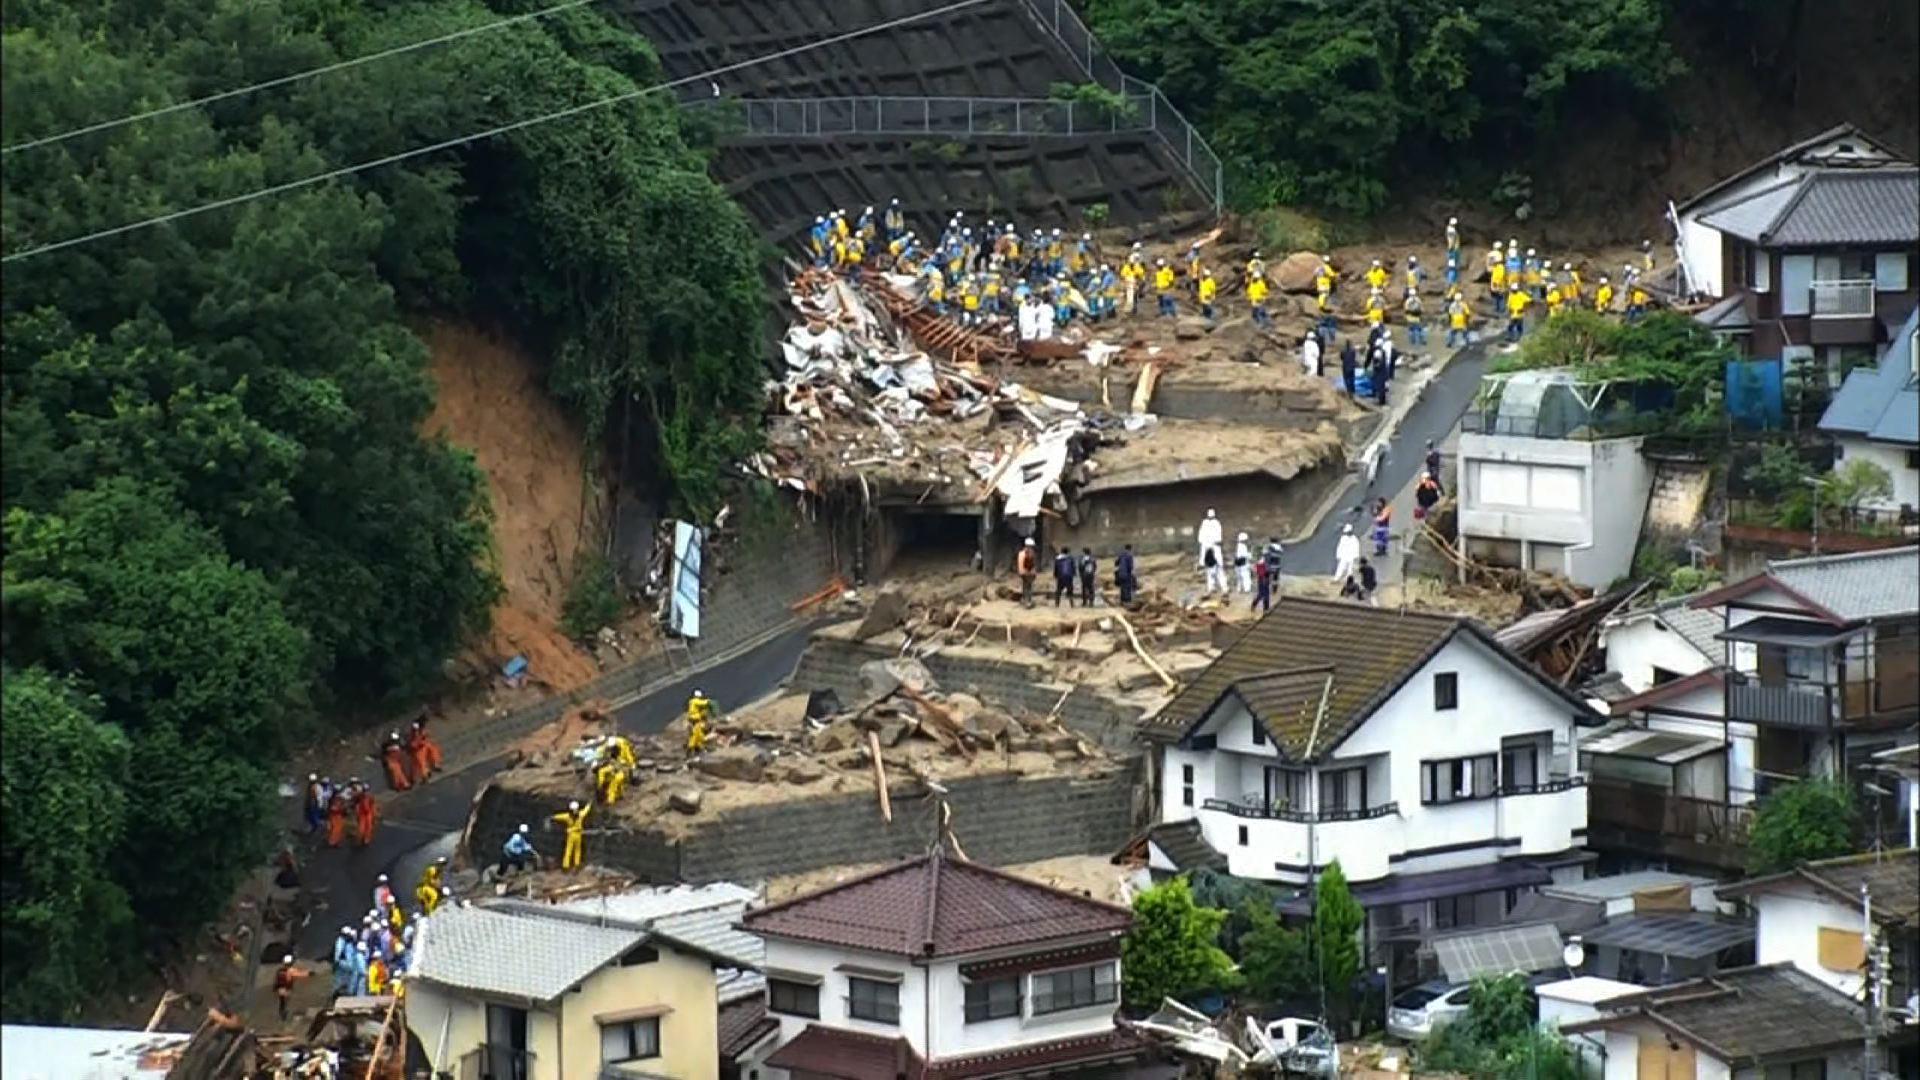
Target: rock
(800, 770)
(1055, 742)
(889, 609)
(893, 731)
(988, 725)
(837, 736)
(685, 799)
(962, 706)
(1192, 328)
(878, 678)
(1136, 680)
(747, 763)
(1295, 273)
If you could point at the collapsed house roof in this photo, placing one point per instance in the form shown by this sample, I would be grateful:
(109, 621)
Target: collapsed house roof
(1744, 1016)
(1892, 877)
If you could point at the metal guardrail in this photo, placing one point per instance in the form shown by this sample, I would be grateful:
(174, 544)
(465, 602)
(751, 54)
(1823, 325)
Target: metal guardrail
(957, 117)
(1252, 806)
(1187, 146)
(1849, 299)
(1807, 706)
(1530, 425)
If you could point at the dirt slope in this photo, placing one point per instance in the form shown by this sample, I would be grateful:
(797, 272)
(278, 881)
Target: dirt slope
(492, 401)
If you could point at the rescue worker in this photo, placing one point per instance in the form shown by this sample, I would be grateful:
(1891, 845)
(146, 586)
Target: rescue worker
(1415, 275)
(895, 221)
(1416, 319)
(609, 780)
(969, 301)
(1193, 268)
(1323, 282)
(1636, 302)
(699, 715)
(1257, 296)
(427, 895)
(1062, 576)
(417, 754)
(382, 896)
(1026, 565)
(1262, 586)
(365, 814)
(1517, 302)
(316, 805)
(1133, 273)
(376, 976)
(1376, 311)
(1376, 276)
(1555, 299)
(1603, 296)
(1453, 268)
(343, 962)
(1646, 255)
(1457, 312)
(1535, 284)
(1453, 236)
(1208, 289)
(936, 291)
(1212, 559)
(336, 817)
(394, 757)
(1089, 568)
(517, 852)
(1382, 525)
(1163, 287)
(1496, 271)
(283, 979)
(574, 817)
(817, 240)
(856, 251)
(1573, 282)
(1242, 564)
(1515, 264)
(1346, 553)
(1123, 575)
(1256, 268)
(1082, 255)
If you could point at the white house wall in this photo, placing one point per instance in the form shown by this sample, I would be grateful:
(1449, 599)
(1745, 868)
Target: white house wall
(1789, 930)
(1891, 457)
(1738, 736)
(821, 961)
(1592, 544)
(954, 1037)
(1636, 647)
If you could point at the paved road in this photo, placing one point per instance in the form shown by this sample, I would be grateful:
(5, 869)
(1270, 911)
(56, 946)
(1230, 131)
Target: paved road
(1445, 401)
(425, 824)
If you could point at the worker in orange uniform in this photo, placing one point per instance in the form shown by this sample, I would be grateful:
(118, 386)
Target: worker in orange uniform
(423, 752)
(394, 757)
(283, 979)
(376, 975)
(574, 817)
(336, 817)
(365, 814)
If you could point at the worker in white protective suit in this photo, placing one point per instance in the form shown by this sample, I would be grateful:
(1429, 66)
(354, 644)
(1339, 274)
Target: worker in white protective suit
(1310, 355)
(1346, 554)
(1242, 564)
(1212, 559)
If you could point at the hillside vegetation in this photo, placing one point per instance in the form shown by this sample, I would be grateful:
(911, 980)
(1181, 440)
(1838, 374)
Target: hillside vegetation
(220, 514)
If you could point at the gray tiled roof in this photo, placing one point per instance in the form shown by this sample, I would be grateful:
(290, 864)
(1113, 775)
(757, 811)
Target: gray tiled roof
(1879, 205)
(1881, 403)
(517, 954)
(1752, 1015)
(1184, 844)
(1861, 585)
(1697, 625)
(705, 917)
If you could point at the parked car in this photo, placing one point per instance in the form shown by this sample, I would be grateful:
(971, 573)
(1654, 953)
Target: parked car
(1299, 1047)
(1415, 1013)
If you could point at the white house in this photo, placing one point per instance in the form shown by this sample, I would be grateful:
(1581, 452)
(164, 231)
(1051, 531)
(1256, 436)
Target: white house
(1752, 1023)
(1814, 917)
(939, 967)
(1875, 417)
(1701, 245)
(1433, 764)
(1658, 644)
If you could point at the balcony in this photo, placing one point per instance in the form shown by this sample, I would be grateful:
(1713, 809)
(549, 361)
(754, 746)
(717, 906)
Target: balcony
(1804, 705)
(1850, 298)
(1253, 807)
(1650, 820)
(496, 1063)
(1280, 842)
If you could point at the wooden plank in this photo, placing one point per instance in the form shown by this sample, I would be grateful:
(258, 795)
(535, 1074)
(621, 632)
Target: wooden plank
(880, 776)
(1172, 684)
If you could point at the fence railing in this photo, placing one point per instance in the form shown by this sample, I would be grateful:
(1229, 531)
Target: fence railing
(1187, 146)
(1849, 299)
(1808, 706)
(1654, 810)
(1493, 420)
(956, 117)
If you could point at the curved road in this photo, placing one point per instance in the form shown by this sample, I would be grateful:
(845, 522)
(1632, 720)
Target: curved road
(425, 824)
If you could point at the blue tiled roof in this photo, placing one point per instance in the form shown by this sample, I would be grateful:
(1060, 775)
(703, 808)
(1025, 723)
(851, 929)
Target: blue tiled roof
(1881, 403)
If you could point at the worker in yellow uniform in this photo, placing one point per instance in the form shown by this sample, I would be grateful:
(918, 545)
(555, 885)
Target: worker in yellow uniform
(1256, 268)
(1457, 314)
(699, 715)
(1376, 276)
(856, 251)
(1573, 282)
(1376, 310)
(1636, 302)
(1517, 301)
(1134, 273)
(1163, 287)
(1646, 256)
(1209, 288)
(609, 780)
(1257, 296)
(574, 817)
(969, 300)
(1603, 296)
(1496, 272)
(1554, 301)
(936, 290)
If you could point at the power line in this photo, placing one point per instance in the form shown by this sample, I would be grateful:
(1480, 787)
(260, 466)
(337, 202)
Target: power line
(283, 80)
(447, 144)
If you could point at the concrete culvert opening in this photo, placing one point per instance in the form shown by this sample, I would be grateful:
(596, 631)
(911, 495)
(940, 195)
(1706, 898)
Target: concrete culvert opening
(936, 536)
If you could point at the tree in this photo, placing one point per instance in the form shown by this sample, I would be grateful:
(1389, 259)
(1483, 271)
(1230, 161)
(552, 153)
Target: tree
(1173, 947)
(1276, 962)
(63, 919)
(1854, 483)
(1497, 1038)
(1337, 918)
(1803, 821)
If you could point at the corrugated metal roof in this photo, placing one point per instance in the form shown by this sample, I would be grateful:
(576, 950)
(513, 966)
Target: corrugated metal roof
(1881, 403)
(1859, 585)
(1665, 747)
(1621, 886)
(1686, 937)
(938, 906)
(517, 954)
(705, 917)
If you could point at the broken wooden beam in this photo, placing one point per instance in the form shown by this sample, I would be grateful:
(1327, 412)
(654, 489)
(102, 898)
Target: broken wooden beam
(1172, 683)
(880, 775)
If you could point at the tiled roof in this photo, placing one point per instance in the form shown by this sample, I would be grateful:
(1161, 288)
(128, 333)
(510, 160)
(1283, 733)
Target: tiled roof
(1881, 403)
(1892, 877)
(1823, 207)
(846, 1055)
(705, 917)
(1185, 844)
(1114, 1045)
(1746, 1016)
(515, 953)
(1860, 585)
(1353, 655)
(742, 1024)
(1793, 152)
(1699, 626)
(937, 906)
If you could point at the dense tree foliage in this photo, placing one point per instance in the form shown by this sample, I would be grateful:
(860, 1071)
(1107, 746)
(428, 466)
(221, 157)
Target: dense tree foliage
(1498, 1039)
(1812, 819)
(1337, 918)
(220, 511)
(1331, 102)
(1174, 947)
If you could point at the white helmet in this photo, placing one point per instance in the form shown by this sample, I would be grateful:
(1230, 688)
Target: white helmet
(1529, 253)
(819, 219)
(573, 804)
(523, 827)
(893, 202)
(1210, 512)
(1242, 537)
(382, 879)
(287, 959)
(1376, 262)
(1566, 266)
(1512, 243)
(1086, 236)
(1160, 262)
(1496, 245)
(312, 777)
(1056, 232)
(869, 210)
(1453, 221)
(1010, 228)
(1256, 251)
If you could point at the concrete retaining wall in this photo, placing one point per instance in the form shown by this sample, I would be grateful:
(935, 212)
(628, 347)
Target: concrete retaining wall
(1164, 518)
(999, 820)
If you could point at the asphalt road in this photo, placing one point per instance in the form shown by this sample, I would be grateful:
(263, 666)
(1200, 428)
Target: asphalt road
(424, 824)
(1445, 401)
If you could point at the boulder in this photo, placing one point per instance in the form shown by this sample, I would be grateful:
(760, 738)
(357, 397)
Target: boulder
(1295, 273)
(746, 763)
(1192, 328)
(1055, 742)
(800, 770)
(878, 678)
(962, 706)
(892, 732)
(889, 609)
(685, 799)
(988, 725)
(837, 736)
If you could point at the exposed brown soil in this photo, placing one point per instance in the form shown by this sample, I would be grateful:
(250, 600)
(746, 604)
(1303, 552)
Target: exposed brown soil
(491, 401)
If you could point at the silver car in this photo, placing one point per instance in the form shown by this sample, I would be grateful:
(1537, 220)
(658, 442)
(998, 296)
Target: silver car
(1416, 1013)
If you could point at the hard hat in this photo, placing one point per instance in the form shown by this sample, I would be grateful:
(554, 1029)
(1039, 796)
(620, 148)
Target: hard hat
(1496, 245)
(894, 202)
(382, 879)
(393, 734)
(1160, 262)
(1646, 243)
(1056, 232)
(1086, 236)
(1453, 221)
(1412, 259)
(573, 804)
(1243, 536)
(441, 859)
(1603, 279)
(1529, 251)
(1206, 273)
(523, 826)
(311, 777)
(1029, 541)
(869, 210)
(287, 959)
(819, 219)
(1376, 262)
(1209, 511)
(1010, 227)
(698, 692)
(1346, 530)
(1566, 266)
(1512, 243)
(346, 931)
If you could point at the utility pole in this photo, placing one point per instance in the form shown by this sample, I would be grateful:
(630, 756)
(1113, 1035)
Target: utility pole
(1816, 483)
(1870, 1047)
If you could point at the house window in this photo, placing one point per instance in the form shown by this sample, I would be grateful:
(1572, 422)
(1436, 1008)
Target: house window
(1456, 779)
(1798, 1070)
(630, 1040)
(1243, 836)
(1759, 270)
(1662, 676)
(1074, 988)
(1446, 691)
(793, 998)
(1452, 911)
(1286, 789)
(1520, 762)
(995, 999)
(1186, 785)
(871, 999)
(1913, 459)
(1890, 271)
(1343, 789)
(1259, 733)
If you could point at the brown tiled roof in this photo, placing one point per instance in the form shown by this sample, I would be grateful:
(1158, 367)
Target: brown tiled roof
(937, 906)
(1108, 1046)
(1893, 877)
(1280, 667)
(847, 1055)
(743, 1023)
(1745, 1016)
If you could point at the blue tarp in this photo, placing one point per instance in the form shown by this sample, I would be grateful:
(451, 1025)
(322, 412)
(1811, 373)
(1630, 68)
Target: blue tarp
(1754, 400)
